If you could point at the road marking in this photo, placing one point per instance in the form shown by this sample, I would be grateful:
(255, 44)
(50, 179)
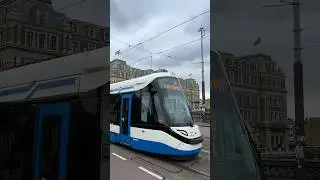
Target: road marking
(206, 151)
(119, 156)
(151, 173)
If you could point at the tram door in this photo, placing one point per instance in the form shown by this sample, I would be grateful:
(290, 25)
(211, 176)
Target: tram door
(51, 141)
(125, 118)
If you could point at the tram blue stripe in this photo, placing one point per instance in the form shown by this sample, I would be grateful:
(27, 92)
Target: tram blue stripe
(52, 84)
(16, 90)
(45, 85)
(121, 89)
(154, 147)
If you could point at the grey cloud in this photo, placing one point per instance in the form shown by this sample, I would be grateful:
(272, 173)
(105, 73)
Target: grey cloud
(127, 16)
(118, 19)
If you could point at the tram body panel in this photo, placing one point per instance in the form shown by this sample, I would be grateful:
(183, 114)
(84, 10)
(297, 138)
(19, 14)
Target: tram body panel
(155, 141)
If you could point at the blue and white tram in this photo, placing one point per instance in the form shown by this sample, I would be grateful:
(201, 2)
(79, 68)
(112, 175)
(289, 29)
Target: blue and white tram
(50, 117)
(151, 114)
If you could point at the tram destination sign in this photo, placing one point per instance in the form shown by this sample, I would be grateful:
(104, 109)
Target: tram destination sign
(169, 84)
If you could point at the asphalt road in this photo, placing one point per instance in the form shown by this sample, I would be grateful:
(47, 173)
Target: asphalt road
(129, 164)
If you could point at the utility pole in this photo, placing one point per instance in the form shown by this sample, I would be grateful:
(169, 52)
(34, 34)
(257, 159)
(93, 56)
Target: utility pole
(298, 92)
(202, 31)
(298, 88)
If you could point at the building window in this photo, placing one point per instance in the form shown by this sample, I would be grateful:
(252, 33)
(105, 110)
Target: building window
(246, 79)
(30, 37)
(268, 82)
(249, 116)
(42, 40)
(1, 33)
(92, 33)
(91, 46)
(2, 64)
(273, 83)
(241, 77)
(240, 99)
(256, 116)
(252, 66)
(242, 114)
(75, 47)
(254, 80)
(247, 101)
(231, 76)
(75, 28)
(42, 18)
(236, 76)
(282, 84)
(54, 42)
(235, 64)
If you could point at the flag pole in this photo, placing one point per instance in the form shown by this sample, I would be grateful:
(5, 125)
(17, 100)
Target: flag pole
(257, 44)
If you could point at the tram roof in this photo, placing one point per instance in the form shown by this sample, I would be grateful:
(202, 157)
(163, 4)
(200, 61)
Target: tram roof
(61, 76)
(136, 84)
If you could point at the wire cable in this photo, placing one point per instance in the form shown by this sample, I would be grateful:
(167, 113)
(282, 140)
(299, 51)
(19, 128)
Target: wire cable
(160, 52)
(76, 3)
(176, 26)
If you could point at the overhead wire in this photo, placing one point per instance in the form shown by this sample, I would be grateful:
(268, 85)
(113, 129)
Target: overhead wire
(76, 3)
(166, 31)
(159, 52)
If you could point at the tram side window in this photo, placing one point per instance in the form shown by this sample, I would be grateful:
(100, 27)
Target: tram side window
(136, 108)
(115, 109)
(145, 106)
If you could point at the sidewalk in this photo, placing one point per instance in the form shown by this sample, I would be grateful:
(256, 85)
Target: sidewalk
(204, 124)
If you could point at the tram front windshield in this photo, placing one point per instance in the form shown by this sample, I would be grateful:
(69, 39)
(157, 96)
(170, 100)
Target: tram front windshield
(175, 105)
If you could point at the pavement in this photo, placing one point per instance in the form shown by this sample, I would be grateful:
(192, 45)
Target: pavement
(126, 163)
(205, 124)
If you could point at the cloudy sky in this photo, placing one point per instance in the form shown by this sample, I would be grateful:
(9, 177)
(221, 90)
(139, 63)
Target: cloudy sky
(93, 11)
(238, 23)
(132, 22)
